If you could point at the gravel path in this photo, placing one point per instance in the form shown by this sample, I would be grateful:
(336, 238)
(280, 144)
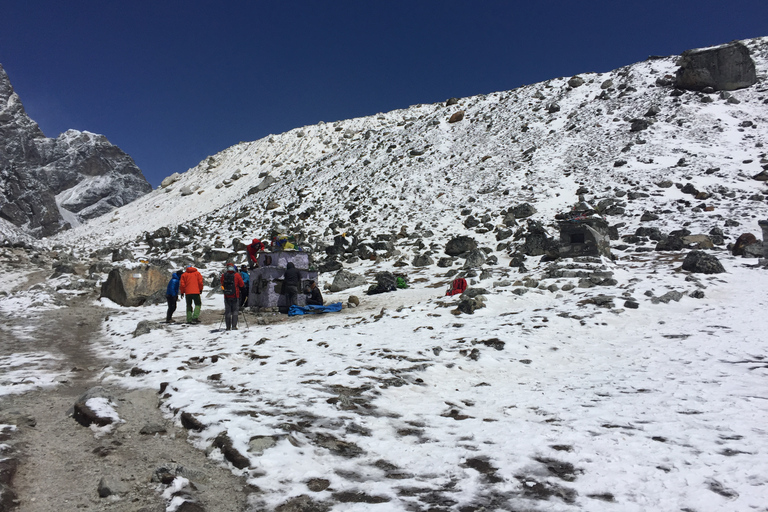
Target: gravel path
(61, 462)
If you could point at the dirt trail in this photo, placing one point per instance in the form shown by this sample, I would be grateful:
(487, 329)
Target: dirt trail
(62, 462)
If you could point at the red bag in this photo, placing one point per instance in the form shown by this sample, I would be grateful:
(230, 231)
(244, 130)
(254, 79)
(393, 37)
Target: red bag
(457, 287)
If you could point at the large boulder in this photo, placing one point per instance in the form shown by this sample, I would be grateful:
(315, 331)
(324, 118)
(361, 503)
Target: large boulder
(702, 263)
(423, 260)
(522, 211)
(475, 259)
(460, 245)
(344, 279)
(133, 287)
(724, 68)
(745, 240)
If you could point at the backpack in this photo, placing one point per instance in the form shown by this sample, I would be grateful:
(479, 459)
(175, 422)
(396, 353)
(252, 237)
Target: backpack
(458, 286)
(228, 284)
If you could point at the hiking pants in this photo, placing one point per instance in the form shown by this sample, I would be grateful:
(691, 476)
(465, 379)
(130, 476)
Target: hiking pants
(193, 297)
(230, 312)
(291, 296)
(172, 299)
(243, 295)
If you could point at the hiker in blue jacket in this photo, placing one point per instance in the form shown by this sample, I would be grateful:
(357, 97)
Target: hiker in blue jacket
(172, 295)
(244, 290)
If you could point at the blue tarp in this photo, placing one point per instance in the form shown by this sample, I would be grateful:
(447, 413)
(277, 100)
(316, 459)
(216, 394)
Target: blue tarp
(311, 310)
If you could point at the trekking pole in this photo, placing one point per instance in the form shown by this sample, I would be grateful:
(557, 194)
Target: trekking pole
(246, 320)
(222, 320)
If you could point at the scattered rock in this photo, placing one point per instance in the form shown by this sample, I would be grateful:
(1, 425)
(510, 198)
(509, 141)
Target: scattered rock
(458, 116)
(87, 409)
(109, 487)
(460, 245)
(344, 279)
(224, 443)
(703, 263)
(743, 242)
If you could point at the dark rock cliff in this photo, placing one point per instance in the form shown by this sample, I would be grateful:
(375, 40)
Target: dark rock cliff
(50, 184)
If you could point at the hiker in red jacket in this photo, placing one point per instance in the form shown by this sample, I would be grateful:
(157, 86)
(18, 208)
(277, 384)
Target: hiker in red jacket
(253, 248)
(191, 286)
(231, 282)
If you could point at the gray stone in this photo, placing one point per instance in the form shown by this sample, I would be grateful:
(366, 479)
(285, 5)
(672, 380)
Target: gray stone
(170, 180)
(460, 245)
(474, 259)
(702, 263)
(422, 260)
(258, 444)
(667, 297)
(188, 190)
(474, 292)
(144, 327)
(724, 68)
(344, 279)
(522, 211)
(468, 305)
(151, 429)
(639, 125)
(109, 487)
(121, 254)
(85, 415)
(303, 503)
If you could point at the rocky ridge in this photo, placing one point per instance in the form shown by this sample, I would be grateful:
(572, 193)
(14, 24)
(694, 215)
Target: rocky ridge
(53, 184)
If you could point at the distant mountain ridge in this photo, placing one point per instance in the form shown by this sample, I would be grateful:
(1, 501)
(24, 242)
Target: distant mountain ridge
(49, 185)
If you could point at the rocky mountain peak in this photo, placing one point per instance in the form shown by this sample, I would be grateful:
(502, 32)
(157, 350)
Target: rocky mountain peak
(52, 184)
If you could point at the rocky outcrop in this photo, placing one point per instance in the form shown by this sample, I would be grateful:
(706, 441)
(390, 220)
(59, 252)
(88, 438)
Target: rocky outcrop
(345, 280)
(723, 68)
(133, 287)
(52, 184)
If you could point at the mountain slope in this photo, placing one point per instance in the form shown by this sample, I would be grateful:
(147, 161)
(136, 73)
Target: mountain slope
(52, 184)
(538, 144)
(601, 384)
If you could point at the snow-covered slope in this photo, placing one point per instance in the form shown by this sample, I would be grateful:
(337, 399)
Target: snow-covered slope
(589, 384)
(536, 144)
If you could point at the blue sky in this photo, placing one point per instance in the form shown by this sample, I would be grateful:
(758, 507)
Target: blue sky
(172, 82)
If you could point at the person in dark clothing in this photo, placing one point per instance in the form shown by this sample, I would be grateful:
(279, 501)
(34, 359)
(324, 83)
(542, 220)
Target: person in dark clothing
(291, 284)
(314, 297)
(172, 296)
(232, 299)
(244, 290)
